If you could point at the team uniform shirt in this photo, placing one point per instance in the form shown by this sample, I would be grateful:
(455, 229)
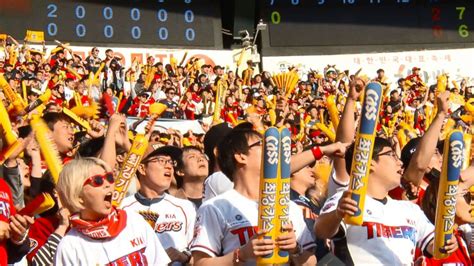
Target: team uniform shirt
(229, 220)
(171, 218)
(136, 244)
(390, 232)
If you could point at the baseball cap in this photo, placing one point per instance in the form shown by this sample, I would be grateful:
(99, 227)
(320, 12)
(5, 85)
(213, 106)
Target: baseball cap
(415, 68)
(410, 148)
(171, 151)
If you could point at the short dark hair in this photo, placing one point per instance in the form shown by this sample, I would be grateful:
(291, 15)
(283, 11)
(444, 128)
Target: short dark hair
(180, 164)
(170, 89)
(235, 142)
(379, 144)
(52, 118)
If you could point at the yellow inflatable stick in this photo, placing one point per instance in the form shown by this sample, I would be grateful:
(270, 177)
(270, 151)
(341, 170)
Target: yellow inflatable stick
(333, 112)
(47, 146)
(467, 150)
(6, 125)
(447, 192)
(331, 135)
(363, 148)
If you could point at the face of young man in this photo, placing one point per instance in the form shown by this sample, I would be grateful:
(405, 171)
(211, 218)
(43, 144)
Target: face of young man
(304, 176)
(387, 168)
(158, 171)
(195, 164)
(63, 136)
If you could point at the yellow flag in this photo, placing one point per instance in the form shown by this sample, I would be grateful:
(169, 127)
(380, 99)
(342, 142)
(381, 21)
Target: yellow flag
(34, 36)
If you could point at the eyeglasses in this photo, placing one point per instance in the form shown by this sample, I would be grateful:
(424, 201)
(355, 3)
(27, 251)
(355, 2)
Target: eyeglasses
(390, 153)
(258, 143)
(98, 180)
(171, 93)
(161, 161)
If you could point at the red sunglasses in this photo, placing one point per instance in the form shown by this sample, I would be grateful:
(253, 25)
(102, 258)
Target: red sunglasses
(98, 180)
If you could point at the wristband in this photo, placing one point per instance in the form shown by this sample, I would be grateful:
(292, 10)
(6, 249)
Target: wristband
(317, 153)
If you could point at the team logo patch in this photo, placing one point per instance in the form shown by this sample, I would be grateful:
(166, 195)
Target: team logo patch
(150, 217)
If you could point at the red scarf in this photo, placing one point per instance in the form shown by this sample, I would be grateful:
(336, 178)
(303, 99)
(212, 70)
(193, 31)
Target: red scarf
(109, 227)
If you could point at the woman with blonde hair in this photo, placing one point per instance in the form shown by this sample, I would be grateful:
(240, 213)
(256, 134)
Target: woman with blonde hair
(101, 234)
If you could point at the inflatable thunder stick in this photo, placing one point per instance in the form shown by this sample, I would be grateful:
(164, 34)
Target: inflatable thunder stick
(270, 174)
(129, 167)
(447, 191)
(134, 156)
(6, 126)
(283, 192)
(333, 112)
(43, 98)
(47, 146)
(363, 148)
(467, 150)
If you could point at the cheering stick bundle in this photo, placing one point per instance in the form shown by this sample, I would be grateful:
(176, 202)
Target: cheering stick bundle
(273, 211)
(363, 149)
(286, 81)
(448, 188)
(135, 155)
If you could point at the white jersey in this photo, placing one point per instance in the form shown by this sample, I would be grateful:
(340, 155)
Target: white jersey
(229, 220)
(171, 218)
(216, 184)
(137, 244)
(389, 234)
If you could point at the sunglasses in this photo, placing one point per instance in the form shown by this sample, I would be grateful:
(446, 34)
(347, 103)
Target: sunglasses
(98, 180)
(467, 197)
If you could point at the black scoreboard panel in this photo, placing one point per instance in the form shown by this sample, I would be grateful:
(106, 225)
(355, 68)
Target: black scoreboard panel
(180, 23)
(338, 26)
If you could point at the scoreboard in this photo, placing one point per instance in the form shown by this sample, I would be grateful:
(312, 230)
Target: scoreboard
(332, 26)
(171, 23)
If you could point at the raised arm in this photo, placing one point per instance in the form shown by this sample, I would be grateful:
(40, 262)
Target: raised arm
(427, 146)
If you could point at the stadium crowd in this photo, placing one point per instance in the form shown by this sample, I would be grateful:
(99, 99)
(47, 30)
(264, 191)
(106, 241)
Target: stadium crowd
(194, 197)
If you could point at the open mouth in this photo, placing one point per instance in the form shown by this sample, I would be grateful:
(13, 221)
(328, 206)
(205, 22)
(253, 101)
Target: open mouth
(108, 197)
(400, 172)
(167, 174)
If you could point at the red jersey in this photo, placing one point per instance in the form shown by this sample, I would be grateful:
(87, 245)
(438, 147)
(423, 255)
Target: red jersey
(459, 257)
(7, 209)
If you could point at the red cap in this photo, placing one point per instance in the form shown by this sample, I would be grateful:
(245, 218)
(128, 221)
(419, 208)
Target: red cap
(415, 68)
(315, 133)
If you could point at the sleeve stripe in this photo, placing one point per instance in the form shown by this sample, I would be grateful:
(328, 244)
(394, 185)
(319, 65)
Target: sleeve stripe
(426, 241)
(309, 245)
